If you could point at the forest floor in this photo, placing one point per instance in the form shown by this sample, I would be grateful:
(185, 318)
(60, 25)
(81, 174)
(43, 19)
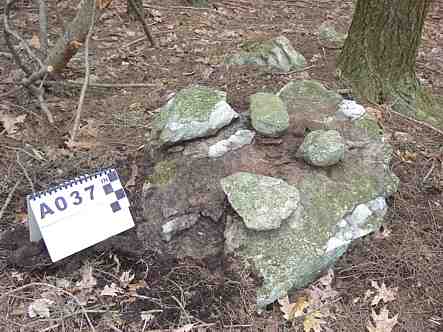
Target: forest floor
(407, 255)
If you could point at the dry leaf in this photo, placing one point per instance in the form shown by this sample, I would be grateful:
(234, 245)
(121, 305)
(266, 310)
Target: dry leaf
(382, 321)
(383, 293)
(326, 280)
(186, 328)
(319, 296)
(86, 136)
(40, 308)
(10, 122)
(293, 310)
(314, 322)
(102, 4)
(88, 280)
(112, 290)
(146, 316)
(126, 278)
(35, 41)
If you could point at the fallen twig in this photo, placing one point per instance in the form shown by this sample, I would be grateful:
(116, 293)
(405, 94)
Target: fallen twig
(101, 85)
(139, 13)
(8, 199)
(25, 172)
(421, 123)
(295, 71)
(76, 126)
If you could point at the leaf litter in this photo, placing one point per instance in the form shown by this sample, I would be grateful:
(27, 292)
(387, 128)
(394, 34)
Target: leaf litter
(314, 306)
(382, 321)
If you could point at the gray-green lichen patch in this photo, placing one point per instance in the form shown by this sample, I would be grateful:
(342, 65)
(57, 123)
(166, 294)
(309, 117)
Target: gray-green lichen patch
(263, 202)
(277, 53)
(369, 125)
(322, 148)
(309, 96)
(164, 172)
(193, 113)
(269, 116)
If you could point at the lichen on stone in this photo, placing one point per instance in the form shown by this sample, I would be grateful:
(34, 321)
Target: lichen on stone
(197, 102)
(268, 114)
(164, 172)
(369, 125)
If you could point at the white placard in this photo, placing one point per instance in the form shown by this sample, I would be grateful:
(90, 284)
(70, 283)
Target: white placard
(79, 213)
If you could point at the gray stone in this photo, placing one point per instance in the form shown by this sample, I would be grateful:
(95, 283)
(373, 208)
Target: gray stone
(193, 113)
(322, 148)
(269, 116)
(178, 224)
(263, 202)
(277, 53)
(234, 142)
(328, 33)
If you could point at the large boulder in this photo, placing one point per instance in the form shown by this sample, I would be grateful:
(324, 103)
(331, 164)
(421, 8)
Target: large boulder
(277, 53)
(286, 219)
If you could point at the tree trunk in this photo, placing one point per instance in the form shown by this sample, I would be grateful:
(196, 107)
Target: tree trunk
(130, 9)
(378, 58)
(68, 44)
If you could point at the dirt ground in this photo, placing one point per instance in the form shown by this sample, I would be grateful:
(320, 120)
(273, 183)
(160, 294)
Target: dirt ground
(168, 293)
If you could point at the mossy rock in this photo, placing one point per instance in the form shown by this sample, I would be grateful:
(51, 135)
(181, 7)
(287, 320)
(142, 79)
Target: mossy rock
(277, 53)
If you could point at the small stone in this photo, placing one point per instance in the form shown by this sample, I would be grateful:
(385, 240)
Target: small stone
(263, 202)
(235, 142)
(269, 115)
(322, 148)
(178, 224)
(349, 110)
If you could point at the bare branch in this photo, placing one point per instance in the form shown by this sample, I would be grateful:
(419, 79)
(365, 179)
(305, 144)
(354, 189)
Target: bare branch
(10, 31)
(7, 33)
(9, 198)
(76, 126)
(43, 22)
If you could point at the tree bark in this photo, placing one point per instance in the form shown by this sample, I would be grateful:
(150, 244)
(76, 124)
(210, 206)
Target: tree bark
(132, 13)
(378, 57)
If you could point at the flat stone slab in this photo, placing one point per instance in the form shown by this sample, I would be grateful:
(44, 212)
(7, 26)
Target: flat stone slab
(263, 202)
